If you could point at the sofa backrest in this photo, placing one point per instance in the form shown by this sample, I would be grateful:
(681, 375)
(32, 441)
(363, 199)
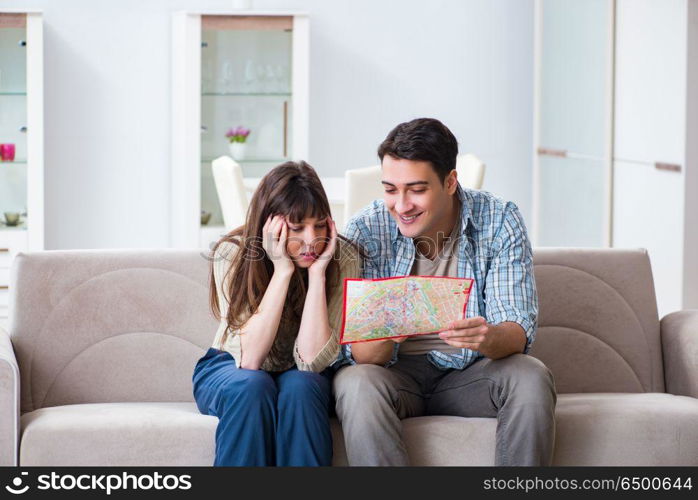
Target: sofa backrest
(598, 329)
(93, 326)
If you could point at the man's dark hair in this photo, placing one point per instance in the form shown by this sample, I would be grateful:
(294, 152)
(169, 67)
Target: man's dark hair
(422, 139)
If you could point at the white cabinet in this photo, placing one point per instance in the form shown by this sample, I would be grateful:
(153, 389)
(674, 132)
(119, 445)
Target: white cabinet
(648, 208)
(650, 95)
(654, 169)
(616, 133)
(11, 243)
(572, 202)
(572, 129)
(21, 133)
(230, 70)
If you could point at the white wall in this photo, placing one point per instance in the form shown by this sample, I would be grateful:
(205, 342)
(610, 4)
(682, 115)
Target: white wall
(374, 63)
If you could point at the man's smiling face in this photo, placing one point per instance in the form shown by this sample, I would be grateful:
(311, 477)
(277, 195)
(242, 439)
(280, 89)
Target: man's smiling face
(415, 196)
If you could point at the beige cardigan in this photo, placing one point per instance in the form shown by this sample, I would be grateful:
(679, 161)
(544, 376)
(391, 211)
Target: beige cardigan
(286, 337)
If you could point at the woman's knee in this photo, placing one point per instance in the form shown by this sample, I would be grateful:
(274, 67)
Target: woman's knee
(252, 385)
(296, 385)
(206, 379)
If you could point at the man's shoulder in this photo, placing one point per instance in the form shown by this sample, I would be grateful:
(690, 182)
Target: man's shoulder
(487, 209)
(374, 218)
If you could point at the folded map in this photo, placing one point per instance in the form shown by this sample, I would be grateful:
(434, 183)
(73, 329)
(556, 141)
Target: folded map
(401, 306)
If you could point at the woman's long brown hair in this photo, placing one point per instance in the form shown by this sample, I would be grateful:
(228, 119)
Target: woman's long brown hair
(292, 189)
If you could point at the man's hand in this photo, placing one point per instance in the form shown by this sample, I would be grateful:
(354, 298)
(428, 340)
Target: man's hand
(470, 333)
(493, 341)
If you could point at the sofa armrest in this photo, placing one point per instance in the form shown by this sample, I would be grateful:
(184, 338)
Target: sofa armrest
(9, 402)
(680, 350)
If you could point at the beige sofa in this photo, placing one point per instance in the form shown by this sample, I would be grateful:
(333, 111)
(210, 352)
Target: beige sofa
(97, 366)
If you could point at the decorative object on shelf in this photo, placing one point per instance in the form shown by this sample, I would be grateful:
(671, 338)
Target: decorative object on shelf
(7, 152)
(237, 137)
(205, 217)
(12, 218)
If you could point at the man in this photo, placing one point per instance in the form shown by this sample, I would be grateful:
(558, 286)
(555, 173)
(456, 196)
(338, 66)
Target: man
(428, 225)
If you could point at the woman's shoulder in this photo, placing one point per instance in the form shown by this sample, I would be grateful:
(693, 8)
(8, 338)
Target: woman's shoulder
(346, 249)
(349, 257)
(227, 245)
(225, 251)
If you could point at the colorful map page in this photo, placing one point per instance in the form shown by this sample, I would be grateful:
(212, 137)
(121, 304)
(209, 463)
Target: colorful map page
(401, 306)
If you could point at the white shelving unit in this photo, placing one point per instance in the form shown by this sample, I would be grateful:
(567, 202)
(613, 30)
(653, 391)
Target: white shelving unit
(229, 69)
(21, 124)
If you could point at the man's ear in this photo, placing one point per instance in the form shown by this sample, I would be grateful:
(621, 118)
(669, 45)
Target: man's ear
(451, 182)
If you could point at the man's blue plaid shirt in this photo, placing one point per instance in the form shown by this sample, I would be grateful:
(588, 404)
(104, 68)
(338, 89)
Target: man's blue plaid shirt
(493, 249)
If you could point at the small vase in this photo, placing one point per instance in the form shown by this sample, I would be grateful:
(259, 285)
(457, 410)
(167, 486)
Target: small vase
(7, 152)
(237, 150)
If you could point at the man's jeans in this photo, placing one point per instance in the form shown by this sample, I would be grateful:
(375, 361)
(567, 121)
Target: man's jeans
(519, 390)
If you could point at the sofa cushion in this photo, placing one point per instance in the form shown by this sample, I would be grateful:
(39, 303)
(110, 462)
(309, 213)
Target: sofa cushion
(626, 429)
(592, 429)
(438, 440)
(124, 434)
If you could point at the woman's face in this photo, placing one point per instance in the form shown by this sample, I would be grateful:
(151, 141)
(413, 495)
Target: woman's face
(306, 240)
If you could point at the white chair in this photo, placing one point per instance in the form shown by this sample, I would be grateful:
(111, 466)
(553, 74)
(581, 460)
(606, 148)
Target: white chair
(363, 185)
(471, 171)
(230, 187)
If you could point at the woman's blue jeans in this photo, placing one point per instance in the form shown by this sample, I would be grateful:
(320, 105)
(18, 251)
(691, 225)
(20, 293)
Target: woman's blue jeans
(265, 418)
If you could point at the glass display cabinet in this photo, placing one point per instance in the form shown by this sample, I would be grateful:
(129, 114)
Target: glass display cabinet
(240, 88)
(21, 141)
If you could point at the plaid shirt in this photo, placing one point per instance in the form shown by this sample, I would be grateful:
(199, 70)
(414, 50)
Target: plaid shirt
(493, 249)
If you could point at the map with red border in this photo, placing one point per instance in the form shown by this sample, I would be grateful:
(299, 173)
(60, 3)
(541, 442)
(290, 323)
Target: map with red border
(401, 306)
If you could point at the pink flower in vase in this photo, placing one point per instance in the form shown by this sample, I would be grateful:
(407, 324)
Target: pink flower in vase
(237, 134)
(237, 137)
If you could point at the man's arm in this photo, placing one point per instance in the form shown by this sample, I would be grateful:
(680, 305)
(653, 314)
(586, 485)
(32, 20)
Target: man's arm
(377, 352)
(502, 340)
(510, 297)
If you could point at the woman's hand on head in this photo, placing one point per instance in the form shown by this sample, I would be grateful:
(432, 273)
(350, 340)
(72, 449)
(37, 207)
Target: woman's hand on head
(320, 265)
(274, 236)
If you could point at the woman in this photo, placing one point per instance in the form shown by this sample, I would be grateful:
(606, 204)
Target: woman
(277, 289)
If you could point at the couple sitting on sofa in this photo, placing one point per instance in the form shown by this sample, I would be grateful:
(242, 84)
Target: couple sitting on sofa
(277, 288)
